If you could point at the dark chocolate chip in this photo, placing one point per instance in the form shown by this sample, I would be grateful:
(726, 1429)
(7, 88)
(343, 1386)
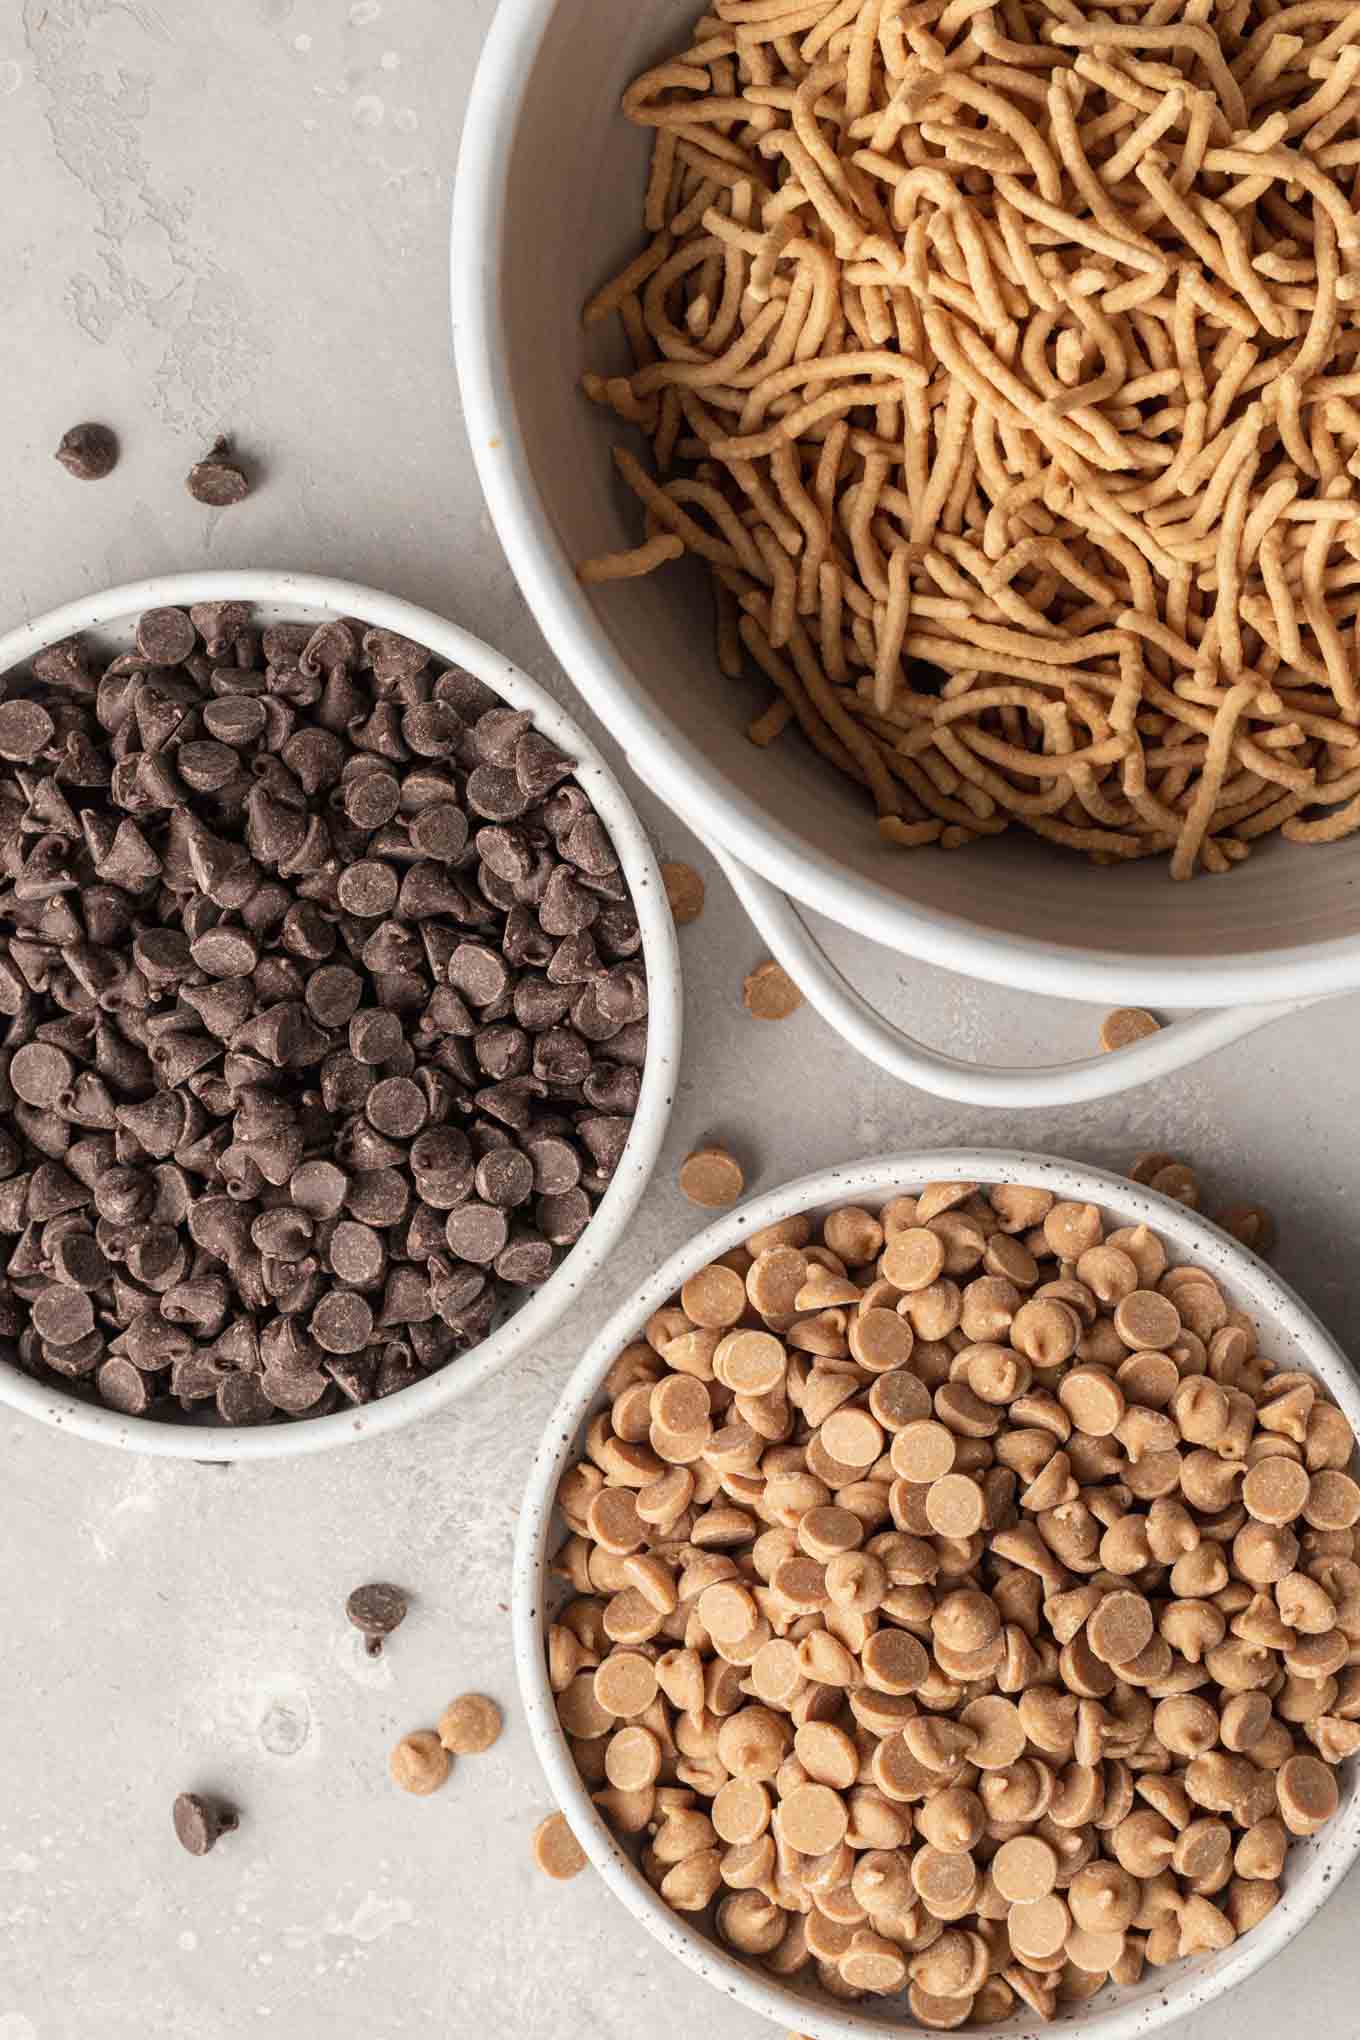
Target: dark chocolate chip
(219, 480)
(563, 1215)
(476, 1232)
(526, 1261)
(89, 452)
(200, 1823)
(505, 1178)
(342, 1322)
(377, 1610)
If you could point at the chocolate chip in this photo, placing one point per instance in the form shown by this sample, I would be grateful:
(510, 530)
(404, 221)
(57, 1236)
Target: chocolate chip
(342, 1322)
(219, 480)
(299, 984)
(26, 729)
(89, 452)
(526, 1261)
(200, 1823)
(376, 1611)
(476, 1232)
(165, 637)
(505, 1178)
(563, 1215)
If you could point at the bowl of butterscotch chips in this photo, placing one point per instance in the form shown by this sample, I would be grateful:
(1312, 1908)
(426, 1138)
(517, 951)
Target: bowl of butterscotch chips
(936, 1602)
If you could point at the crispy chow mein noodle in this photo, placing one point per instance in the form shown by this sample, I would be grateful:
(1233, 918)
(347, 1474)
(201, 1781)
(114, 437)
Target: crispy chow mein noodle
(1002, 363)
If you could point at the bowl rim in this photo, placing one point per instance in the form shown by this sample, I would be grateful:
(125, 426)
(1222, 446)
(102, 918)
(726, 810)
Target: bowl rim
(1258, 1287)
(327, 595)
(660, 749)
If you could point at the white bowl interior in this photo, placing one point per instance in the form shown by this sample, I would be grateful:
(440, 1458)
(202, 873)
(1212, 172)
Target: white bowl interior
(546, 141)
(1289, 1334)
(109, 620)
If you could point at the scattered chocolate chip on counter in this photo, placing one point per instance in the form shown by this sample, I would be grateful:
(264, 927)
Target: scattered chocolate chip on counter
(200, 1823)
(685, 890)
(470, 1725)
(1126, 1025)
(375, 1611)
(770, 993)
(218, 480)
(326, 1014)
(419, 1763)
(712, 1177)
(89, 452)
(557, 1852)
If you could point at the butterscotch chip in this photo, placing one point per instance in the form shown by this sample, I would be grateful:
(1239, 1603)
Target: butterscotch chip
(419, 1763)
(922, 1452)
(557, 1852)
(684, 890)
(913, 1259)
(714, 1298)
(1252, 1224)
(769, 993)
(1308, 1795)
(1125, 1025)
(1120, 1627)
(880, 1340)
(827, 1754)
(852, 1437)
(894, 1661)
(613, 1521)
(1276, 1489)
(996, 1723)
(625, 1683)
(1146, 1321)
(945, 1879)
(898, 1399)
(873, 1964)
(741, 1810)
(750, 1363)
(1333, 1501)
(711, 1177)
(940, 2014)
(1094, 1952)
(470, 1725)
(813, 1819)
(632, 1760)
(1103, 1898)
(1025, 1869)
(955, 1506)
(1038, 1927)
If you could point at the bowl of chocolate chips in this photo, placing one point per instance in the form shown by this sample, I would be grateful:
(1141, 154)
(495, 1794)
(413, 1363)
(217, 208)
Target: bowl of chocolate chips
(339, 1014)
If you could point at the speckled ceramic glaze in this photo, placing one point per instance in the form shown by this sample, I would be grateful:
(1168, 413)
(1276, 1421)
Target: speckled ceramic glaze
(111, 618)
(1289, 1333)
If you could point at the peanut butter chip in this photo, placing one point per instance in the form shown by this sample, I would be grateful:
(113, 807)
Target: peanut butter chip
(770, 993)
(470, 1725)
(1333, 1501)
(1307, 1793)
(557, 1852)
(711, 1177)
(1095, 1953)
(419, 1763)
(923, 1452)
(852, 1437)
(1025, 1869)
(1147, 1322)
(685, 891)
(714, 1298)
(1125, 1025)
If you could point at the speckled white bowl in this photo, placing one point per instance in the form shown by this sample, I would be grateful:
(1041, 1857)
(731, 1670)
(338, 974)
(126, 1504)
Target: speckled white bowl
(1289, 1333)
(111, 617)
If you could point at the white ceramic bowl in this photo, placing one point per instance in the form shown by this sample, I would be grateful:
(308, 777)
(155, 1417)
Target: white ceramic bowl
(1289, 1333)
(110, 618)
(547, 205)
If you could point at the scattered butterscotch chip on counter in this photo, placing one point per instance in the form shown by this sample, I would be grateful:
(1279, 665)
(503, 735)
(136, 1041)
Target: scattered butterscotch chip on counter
(557, 1852)
(89, 452)
(770, 993)
(1126, 1025)
(685, 890)
(712, 1177)
(419, 1763)
(470, 1725)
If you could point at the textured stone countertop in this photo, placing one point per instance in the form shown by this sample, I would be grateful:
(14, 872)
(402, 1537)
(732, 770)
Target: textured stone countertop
(232, 214)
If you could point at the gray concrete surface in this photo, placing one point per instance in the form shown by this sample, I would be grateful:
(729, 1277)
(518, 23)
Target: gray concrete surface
(231, 214)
